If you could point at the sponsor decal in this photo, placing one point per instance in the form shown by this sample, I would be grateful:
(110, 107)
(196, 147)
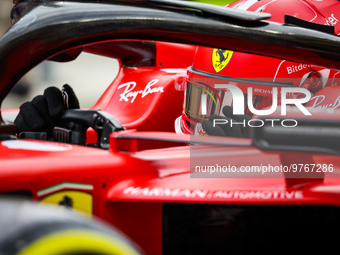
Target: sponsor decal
(221, 58)
(129, 94)
(319, 102)
(263, 91)
(199, 130)
(333, 20)
(296, 68)
(220, 194)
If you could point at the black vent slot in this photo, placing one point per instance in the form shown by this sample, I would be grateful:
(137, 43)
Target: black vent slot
(249, 229)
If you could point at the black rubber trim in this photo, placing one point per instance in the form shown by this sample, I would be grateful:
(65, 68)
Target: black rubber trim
(310, 135)
(240, 80)
(291, 20)
(215, 10)
(193, 140)
(189, 124)
(205, 8)
(17, 194)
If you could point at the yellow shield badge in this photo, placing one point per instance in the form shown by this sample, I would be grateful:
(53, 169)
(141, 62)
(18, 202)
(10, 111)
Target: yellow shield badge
(221, 58)
(71, 199)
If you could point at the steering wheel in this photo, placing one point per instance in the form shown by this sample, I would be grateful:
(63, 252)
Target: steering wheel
(78, 121)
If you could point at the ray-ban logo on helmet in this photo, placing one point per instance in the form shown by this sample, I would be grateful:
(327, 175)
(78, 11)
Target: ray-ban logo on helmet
(239, 101)
(221, 58)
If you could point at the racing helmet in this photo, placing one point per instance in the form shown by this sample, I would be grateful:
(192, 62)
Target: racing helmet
(222, 66)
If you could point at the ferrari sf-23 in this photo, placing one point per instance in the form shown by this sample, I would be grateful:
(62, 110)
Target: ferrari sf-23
(219, 135)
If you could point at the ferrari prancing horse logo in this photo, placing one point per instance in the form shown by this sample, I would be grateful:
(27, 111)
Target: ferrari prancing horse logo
(71, 195)
(71, 200)
(221, 58)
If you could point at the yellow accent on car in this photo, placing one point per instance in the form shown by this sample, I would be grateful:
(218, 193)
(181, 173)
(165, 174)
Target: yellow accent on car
(77, 200)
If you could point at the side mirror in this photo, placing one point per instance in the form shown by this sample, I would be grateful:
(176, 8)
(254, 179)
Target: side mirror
(319, 132)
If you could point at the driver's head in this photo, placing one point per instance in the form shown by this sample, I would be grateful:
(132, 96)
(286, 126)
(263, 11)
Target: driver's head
(222, 66)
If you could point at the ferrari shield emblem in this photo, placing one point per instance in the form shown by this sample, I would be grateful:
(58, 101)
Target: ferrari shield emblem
(221, 58)
(72, 200)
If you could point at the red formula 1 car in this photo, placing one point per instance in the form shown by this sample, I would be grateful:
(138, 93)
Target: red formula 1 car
(123, 161)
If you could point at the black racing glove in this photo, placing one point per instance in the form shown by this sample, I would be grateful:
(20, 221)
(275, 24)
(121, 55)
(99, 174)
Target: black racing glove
(232, 124)
(43, 113)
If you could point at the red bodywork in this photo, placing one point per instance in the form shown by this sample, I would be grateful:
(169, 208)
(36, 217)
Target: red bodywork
(130, 185)
(149, 167)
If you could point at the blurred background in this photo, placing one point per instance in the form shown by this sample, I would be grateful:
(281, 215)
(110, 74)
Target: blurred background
(89, 75)
(5, 22)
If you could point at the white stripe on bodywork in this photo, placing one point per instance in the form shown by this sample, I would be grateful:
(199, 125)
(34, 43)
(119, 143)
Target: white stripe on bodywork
(311, 9)
(64, 185)
(267, 4)
(247, 4)
(324, 73)
(196, 154)
(278, 68)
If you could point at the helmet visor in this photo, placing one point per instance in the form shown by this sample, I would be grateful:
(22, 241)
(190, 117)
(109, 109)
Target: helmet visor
(204, 98)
